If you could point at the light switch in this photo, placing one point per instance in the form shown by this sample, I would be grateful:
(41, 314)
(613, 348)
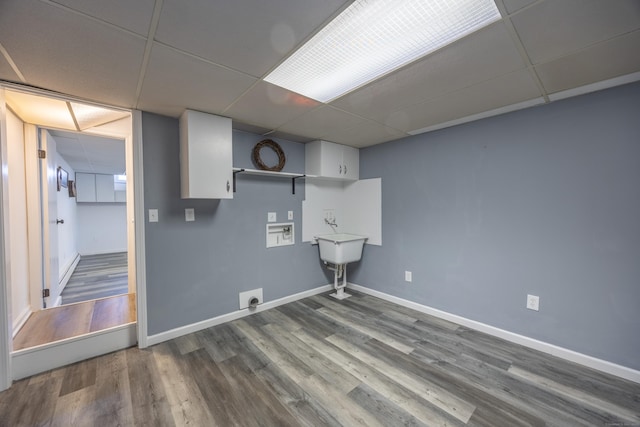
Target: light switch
(153, 215)
(290, 215)
(271, 217)
(189, 214)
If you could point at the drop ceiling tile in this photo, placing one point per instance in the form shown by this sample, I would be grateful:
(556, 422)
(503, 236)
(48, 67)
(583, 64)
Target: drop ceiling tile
(364, 134)
(175, 81)
(132, 15)
(506, 90)
(40, 110)
(290, 137)
(552, 29)
(6, 72)
(244, 127)
(515, 5)
(269, 106)
(604, 61)
(68, 53)
(319, 121)
(87, 153)
(116, 129)
(249, 36)
(486, 54)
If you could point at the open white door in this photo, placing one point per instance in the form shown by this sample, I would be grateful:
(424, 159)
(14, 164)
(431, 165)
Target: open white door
(49, 197)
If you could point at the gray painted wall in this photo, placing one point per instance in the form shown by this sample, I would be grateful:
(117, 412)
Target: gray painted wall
(543, 201)
(195, 270)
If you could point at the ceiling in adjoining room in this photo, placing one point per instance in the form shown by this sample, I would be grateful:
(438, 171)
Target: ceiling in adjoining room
(165, 56)
(93, 154)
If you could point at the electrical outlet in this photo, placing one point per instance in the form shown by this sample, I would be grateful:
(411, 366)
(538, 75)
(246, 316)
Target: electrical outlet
(408, 277)
(533, 302)
(329, 214)
(271, 217)
(189, 214)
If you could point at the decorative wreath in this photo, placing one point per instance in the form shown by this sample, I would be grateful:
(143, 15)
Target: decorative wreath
(255, 155)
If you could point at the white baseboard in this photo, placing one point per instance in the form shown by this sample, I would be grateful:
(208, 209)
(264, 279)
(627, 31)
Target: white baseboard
(57, 302)
(105, 252)
(21, 320)
(563, 353)
(194, 327)
(68, 271)
(35, 360)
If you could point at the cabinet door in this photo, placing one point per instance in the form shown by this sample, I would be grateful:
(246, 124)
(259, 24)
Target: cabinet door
(85, 187)
(350, 163)
(206, 156)
(105, 191)
(332, 165)
(331, 160)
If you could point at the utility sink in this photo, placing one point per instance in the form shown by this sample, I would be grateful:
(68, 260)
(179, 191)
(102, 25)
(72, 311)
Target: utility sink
(340, 248)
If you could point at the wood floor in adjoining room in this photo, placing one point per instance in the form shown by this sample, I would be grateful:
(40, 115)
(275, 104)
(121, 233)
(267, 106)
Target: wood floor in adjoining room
(97, 276)
(68, 321)
(319, 361)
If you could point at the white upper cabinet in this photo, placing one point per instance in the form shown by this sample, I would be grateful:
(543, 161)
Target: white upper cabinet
(97, 188)
(206, 156)
(331, 160)
(105, 191)
(85, 187)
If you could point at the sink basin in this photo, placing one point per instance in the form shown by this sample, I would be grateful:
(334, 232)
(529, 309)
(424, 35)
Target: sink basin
(340, 248)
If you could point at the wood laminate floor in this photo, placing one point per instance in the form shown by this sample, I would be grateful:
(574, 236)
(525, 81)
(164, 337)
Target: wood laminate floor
(318, 361)
(97, 276)
(67, 321)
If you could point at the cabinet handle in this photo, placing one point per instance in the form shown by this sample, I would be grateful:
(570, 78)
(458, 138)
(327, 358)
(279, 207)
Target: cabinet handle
(340, 170)
(345, 169)
(228, 186)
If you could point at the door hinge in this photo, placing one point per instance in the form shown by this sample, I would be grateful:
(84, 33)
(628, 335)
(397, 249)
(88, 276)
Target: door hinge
(45, 293)
(42, 154)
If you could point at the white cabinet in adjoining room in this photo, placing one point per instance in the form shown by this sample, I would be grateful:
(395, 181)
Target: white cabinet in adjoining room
(330, 160)
(85, 187)
(97, 188)
(206, 156)
(105, 191)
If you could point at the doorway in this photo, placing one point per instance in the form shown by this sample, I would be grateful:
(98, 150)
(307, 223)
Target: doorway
(44, 286)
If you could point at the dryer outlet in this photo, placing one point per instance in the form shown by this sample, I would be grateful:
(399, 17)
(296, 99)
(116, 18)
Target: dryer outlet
(247, 298)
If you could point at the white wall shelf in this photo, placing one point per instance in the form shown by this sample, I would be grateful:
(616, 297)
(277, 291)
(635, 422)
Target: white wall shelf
(289, 175)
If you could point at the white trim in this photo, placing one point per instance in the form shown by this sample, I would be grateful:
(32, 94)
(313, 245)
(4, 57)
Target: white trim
(112, 251)
(483, 115)
(563, 353)
(139, 220)
(57, 302)
(34, 360)
(5, 324)
(605, 84)
(21, 320)
(194, 327)
(68, 272)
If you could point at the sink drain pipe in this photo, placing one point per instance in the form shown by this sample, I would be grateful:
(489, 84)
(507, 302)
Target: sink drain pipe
(339, 270)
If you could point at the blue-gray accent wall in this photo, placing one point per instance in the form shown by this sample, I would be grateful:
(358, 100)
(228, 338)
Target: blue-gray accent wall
(195, 270)
(543, 201)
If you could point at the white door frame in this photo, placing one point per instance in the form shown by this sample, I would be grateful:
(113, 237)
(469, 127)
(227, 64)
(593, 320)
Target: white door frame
(5, 308)
(6, 374)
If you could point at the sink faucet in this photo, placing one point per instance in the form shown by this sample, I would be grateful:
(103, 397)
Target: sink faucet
(331, 223)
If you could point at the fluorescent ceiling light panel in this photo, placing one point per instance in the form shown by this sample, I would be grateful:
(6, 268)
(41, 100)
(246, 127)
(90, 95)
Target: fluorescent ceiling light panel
(374, 37)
